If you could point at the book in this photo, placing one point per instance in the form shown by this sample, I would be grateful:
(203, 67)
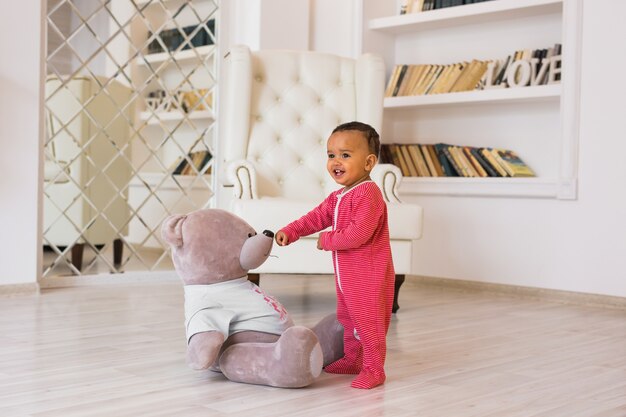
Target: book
(466, 162)
(392, 80)
(454, 76)
(441, 79)
(427, 80)
(420, 81)
(422, 168)
(486, 153)
(446, 165)
(398, 160)
(512, 163)
(435, 159)
(429, 162)
(401, 75)
(484, 163)
(480, 171)
(460, 160)
(193, 163)
(409, 79)
(416, 6)
(410, 161)
(470, 76)
(416, 76)
(453, 163)
(463, 80)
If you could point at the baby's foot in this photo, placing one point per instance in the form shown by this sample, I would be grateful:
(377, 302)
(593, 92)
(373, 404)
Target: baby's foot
(344, 366)
(368, 379)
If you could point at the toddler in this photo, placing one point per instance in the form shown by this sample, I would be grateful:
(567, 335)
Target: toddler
(361, 252)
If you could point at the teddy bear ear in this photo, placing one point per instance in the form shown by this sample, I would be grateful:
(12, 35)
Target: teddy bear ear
(172, 229)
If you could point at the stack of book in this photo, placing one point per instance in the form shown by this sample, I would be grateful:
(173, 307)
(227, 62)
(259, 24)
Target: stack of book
(416, 80)
(189, 36)
(194, 163)
(414, 6)
(420, 79)
(444, 160)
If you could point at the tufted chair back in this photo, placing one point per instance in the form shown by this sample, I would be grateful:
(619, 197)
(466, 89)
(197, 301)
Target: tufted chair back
(281, 106)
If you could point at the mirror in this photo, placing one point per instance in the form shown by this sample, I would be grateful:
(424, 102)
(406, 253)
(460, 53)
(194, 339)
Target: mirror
(129, 100)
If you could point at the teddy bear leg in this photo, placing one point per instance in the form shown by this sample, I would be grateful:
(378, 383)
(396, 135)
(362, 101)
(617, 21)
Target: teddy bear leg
(243, 337)
(203, 349)
(293, 361)
(330, 335)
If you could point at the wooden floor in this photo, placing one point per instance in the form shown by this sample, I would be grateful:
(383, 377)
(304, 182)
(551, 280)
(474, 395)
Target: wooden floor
(116, 350)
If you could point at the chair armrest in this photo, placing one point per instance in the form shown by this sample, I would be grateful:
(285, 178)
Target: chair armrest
(241, 175)
(388, 177)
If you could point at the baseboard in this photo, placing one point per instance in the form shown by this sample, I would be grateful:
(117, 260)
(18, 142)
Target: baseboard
(103, 279)
(11, 290)
(561, 296)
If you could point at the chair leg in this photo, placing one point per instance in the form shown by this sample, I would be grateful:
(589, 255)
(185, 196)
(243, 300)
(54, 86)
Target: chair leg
(399, 282)
(254, 278)
(118, 250)
(77, 255)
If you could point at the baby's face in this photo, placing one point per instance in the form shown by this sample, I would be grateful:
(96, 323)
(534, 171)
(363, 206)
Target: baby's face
(349, 159)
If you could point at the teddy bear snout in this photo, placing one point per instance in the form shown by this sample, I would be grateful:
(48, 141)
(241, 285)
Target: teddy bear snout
(255, 250)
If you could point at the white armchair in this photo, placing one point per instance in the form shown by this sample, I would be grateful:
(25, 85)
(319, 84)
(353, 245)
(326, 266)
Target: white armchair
(87, 166)
(279, 107)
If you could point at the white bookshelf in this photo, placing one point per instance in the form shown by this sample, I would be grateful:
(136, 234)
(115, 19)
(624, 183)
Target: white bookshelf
(175, 116)
(521, 94)
(472, 13)
(544, 117)
(201, 52)
(169, 133)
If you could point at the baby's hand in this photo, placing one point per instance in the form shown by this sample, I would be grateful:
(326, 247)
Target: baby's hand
(281, 238)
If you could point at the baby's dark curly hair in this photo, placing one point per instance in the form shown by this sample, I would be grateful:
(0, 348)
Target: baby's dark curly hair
(369, 134)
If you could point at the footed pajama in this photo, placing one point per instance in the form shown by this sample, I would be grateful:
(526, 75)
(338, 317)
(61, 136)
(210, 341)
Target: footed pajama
(364, 275)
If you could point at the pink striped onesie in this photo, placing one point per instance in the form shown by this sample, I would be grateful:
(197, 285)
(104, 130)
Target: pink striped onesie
(364, 275)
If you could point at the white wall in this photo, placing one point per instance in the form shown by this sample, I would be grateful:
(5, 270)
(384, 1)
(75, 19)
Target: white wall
(20, 31)
(270, 24)
(569, 245)
(335, 26)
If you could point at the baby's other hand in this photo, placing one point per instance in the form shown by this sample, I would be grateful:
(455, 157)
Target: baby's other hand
(281, 238)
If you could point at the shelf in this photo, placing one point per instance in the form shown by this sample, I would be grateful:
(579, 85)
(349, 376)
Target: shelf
(192, 54)
(154, 2)
(175, 116)
(466, 14)
(481, 187)
(171, 182)
(519, 94)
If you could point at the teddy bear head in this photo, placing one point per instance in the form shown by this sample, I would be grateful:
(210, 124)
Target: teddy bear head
(213, 245)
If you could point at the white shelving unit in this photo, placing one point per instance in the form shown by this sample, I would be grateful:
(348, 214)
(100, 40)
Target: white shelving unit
(169, 133)
(171, 72)
(531, 94)
(175, 116)
(201, 52)
(484, 12)
(538, 122)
